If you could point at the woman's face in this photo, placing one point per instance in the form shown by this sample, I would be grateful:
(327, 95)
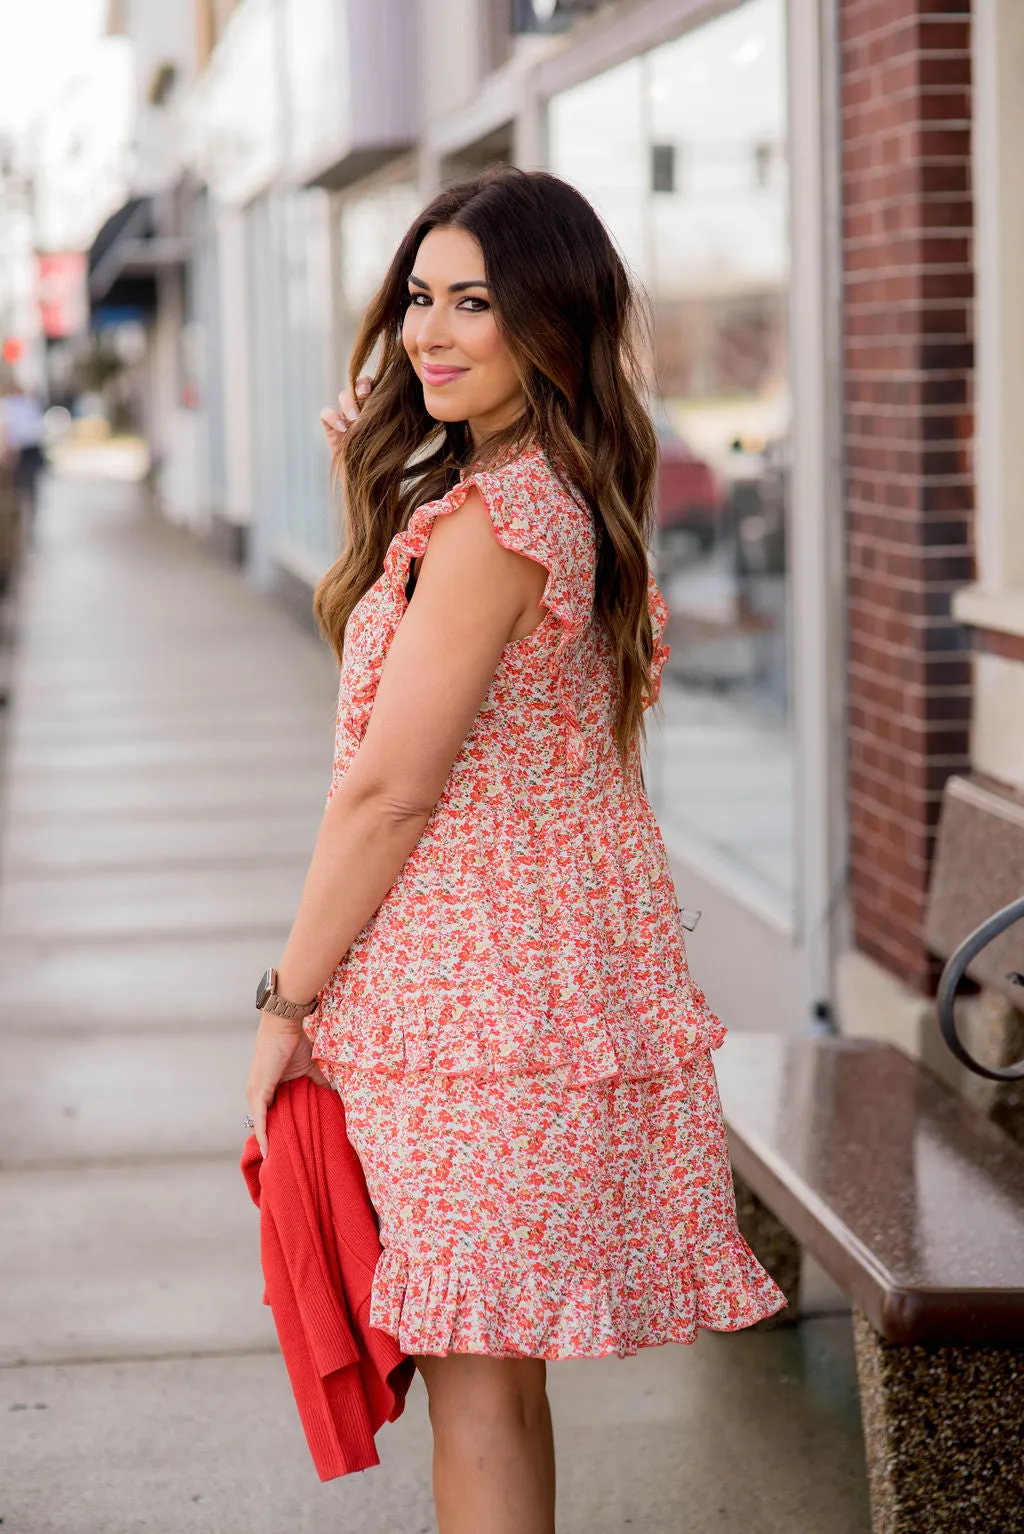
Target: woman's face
(452, 340)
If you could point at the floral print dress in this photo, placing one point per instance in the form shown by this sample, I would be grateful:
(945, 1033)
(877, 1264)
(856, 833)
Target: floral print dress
(523, 1057)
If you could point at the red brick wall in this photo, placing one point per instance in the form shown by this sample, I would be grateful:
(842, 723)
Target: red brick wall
(907, 299)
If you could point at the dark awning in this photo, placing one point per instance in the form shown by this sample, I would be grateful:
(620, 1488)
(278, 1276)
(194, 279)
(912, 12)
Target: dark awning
(126, 255)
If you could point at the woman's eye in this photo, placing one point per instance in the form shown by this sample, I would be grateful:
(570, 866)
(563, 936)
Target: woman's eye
(422, 300)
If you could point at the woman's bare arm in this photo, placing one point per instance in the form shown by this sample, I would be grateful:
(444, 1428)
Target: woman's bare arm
(470, 594)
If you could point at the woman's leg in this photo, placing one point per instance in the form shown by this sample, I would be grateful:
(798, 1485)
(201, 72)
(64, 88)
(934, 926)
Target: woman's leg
(494, 1455)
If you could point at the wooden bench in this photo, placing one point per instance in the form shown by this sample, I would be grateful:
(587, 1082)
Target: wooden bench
(914, 1205)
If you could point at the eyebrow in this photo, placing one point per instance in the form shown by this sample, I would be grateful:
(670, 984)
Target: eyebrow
(453, 287)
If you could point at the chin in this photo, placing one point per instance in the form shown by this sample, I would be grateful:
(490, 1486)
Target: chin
(446, 410)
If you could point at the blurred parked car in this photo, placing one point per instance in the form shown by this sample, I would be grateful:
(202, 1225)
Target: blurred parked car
(690, 496)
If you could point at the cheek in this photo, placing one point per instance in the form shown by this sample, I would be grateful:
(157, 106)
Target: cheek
(409, 331)
(487, 343)
(487, 349)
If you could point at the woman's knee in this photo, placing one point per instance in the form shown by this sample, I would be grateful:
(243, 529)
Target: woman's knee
(472, 1394)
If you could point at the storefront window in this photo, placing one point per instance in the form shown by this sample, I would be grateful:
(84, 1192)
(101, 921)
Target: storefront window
(372, 224)
(308, 535)
(693, 187)
(288, 262)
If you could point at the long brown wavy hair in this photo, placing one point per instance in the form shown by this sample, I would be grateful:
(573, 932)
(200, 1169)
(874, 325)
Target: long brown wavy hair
(572, 323)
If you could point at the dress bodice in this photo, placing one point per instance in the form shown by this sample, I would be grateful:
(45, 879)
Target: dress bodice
(535, 924)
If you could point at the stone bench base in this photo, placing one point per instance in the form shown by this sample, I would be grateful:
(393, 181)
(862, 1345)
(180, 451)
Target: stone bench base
(943, 1426)
(944, 1434)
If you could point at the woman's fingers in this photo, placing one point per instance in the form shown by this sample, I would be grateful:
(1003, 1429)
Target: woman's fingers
(258, 1112)
(348, 406)
(258, 1105)
(259, 1101)
(334, 428)
(275, 1044)
(337, 422)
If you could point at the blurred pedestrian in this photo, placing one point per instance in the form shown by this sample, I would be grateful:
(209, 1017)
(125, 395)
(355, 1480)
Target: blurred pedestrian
(488, 953)
(21, 436)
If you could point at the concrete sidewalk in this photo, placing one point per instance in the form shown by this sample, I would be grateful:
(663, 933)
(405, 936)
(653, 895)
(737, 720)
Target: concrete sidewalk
(169, 754)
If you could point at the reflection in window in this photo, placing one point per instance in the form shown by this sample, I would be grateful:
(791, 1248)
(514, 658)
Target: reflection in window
(694, 191)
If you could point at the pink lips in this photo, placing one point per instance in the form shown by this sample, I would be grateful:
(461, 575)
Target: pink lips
(437, 376)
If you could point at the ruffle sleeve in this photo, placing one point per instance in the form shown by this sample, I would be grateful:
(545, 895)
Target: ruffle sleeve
(531, 514)
(659, 619)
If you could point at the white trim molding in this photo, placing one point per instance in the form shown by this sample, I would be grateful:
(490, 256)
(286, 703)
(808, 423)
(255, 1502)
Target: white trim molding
(997, 730)
(998, 179)
(815, 514)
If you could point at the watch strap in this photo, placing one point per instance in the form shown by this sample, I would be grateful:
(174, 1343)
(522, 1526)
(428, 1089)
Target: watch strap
(289, 1009)
(268, 999)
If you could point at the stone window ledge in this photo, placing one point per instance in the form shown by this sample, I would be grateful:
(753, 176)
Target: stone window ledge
(1000, 612)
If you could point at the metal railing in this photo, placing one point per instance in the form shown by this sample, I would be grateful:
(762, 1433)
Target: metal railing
(952, 975)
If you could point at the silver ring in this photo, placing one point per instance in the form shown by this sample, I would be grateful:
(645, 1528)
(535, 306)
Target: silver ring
(249, 1121)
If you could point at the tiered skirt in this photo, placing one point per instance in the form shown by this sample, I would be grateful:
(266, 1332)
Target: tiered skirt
(530, 1215)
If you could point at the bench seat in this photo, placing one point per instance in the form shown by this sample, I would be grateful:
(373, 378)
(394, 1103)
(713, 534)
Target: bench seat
(913, 1203)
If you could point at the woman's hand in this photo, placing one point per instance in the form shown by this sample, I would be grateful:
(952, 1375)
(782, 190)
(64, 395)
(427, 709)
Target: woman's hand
(337, 422)
(303, 1064)
(282, 1053)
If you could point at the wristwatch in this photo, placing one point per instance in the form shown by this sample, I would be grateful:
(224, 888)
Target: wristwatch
(267, 999)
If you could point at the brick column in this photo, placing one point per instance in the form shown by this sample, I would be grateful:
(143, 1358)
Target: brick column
(907, 299)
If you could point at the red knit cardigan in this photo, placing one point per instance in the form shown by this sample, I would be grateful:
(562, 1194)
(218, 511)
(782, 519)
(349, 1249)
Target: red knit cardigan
(319, 1245)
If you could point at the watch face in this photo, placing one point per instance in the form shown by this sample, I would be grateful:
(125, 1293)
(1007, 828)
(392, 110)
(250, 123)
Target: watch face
(265, 988)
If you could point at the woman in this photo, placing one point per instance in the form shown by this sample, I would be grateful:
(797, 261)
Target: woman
(489, 921)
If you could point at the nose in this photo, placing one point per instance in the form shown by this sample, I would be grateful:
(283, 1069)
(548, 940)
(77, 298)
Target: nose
(432, 334)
